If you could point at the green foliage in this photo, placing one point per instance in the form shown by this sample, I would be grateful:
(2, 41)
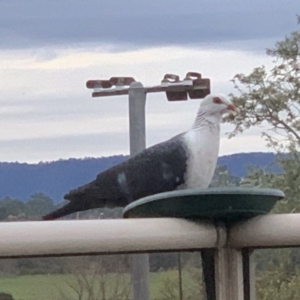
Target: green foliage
(280, 278)
(66, 286)
(32, 266)
(88, 280)
(38, 205)
(3, 213)
(222, 177)
(192, 281)
(270, 100)
(162, 261)
(273, 286)
(32, 287)
(4, 296)
(11, 207)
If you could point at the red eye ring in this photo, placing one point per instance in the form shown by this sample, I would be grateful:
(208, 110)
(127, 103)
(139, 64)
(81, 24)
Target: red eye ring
(217, 100)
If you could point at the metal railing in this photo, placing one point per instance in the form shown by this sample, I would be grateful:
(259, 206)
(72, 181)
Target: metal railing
(232, 246)
(143, 235)
(103, 236)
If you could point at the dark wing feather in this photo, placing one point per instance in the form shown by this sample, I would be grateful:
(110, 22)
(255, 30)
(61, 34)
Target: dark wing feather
(157, 169)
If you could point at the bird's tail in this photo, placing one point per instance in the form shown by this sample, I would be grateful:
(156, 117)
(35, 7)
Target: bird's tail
(70, 208)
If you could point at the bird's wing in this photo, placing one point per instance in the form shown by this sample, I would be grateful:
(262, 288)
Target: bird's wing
(157, 169)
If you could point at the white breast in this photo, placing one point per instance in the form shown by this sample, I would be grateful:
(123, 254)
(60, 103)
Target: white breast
(203, 146)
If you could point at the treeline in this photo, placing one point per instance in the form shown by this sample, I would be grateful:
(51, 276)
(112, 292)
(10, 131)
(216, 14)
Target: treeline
(39, 204)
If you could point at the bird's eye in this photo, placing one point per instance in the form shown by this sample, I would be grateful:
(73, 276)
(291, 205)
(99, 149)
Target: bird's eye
(217, 100)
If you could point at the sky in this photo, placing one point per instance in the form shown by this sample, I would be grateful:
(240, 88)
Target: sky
(49, 49)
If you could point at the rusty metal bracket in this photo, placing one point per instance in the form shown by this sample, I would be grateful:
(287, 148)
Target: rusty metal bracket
(193, 85)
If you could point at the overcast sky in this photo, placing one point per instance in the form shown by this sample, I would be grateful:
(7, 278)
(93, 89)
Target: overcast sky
(49, 49)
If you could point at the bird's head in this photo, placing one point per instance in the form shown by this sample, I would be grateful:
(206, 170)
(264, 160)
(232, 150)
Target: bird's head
(217, 104)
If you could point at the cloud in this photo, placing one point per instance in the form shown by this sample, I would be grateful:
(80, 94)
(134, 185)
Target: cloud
(49, 49)
(47, 113)
(67, 146)
(134, 23)
(105, 143)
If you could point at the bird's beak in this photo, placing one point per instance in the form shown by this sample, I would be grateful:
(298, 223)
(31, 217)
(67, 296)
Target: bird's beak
(233, 109)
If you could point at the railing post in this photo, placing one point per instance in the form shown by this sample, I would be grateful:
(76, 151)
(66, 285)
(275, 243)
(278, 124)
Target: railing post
(234, 272)
(223, 271)
(249, 274)
(137, 137)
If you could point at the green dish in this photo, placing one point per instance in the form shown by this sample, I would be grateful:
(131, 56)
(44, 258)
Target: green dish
(218, 204)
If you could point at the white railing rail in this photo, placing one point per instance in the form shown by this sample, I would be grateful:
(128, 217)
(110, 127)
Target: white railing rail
(143, 235)
(103, 236)
(275, 230)
(234, 276)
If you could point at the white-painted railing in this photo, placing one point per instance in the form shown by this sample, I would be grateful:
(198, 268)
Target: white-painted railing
(103, 236)
(277, 230)
(232, 255)
(143, 235)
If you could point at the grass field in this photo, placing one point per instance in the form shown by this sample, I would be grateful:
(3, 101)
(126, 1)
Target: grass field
(48, 287)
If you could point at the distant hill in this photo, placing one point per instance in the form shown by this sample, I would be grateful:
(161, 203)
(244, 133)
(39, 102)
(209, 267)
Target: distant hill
(237, 163)
(20, 180)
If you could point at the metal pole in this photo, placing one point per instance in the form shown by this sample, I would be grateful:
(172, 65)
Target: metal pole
(180, 277)
(229, 277)
(249, 274)
(137, 123)
(137, 137)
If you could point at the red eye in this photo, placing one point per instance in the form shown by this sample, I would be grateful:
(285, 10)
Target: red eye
(217, 100)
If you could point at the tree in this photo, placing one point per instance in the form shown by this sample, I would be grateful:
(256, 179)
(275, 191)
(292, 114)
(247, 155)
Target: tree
(93, 278)
(273, 97)
(38, 205)
(11, 207)
(3, 213)
(222, 178)
(5, 296)
(270, 99)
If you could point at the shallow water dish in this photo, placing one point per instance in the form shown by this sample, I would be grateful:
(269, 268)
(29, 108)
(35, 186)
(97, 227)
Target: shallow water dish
(219, 204)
